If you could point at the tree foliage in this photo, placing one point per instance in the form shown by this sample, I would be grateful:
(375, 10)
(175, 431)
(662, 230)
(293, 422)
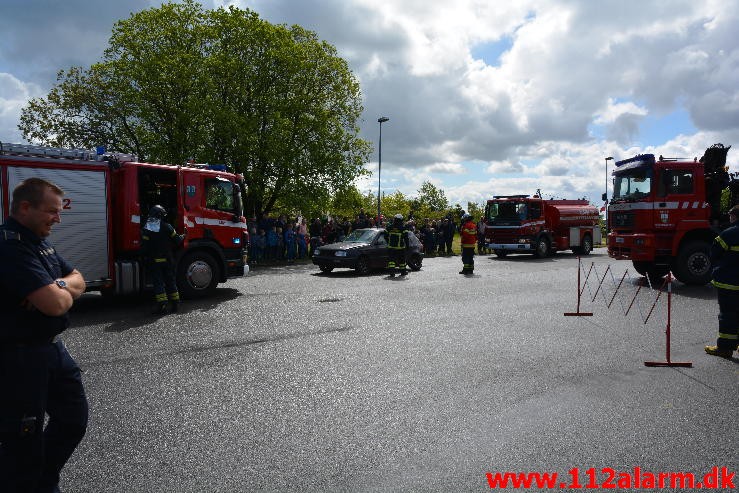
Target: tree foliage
(179, 82)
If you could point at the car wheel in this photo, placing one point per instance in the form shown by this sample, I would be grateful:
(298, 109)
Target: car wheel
(197, 275)
(501, 253)
(326, 268)
(414, 263)
(542, 247)
(363, 265)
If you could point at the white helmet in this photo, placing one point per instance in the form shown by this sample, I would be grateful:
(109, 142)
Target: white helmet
(399, 217)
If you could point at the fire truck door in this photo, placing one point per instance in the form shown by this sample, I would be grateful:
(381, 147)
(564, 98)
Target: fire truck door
(189, 196)
(82, 236)
(675, 199)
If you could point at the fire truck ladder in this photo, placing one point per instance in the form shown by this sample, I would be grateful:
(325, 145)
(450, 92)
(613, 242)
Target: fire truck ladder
(63, 153)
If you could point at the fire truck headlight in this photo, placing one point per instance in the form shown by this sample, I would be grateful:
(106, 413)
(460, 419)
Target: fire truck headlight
(523, 240)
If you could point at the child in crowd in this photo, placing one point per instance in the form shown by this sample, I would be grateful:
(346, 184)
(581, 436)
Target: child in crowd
(260, 243)
(289, 239)
(271, 240)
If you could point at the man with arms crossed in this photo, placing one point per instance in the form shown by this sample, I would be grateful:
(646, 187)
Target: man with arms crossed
(37, 374)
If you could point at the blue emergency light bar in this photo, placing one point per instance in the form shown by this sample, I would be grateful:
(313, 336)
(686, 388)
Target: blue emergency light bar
(637, 160)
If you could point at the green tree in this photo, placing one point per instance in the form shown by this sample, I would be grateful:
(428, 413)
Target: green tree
(475, 210)
(223, 85)
(395, 203)
(432, 198)
(348, 203)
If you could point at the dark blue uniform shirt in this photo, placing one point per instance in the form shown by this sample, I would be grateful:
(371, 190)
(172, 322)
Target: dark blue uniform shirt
(27, 263)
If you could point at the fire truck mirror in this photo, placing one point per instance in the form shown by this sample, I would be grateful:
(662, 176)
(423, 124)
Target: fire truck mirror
(604, 197)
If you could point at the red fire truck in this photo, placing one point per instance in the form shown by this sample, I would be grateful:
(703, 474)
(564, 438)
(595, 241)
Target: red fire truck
(524, 224)
(105, 204)
(665, 213)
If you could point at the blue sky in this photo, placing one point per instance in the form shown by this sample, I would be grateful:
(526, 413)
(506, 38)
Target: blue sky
(484, 98)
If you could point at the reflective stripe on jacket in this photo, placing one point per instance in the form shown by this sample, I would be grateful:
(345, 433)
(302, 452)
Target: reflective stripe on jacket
(725, 259)
(396, 238)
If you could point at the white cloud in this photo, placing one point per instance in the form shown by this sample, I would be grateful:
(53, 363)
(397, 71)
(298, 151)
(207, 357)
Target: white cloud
(14, 94)
(446, 168)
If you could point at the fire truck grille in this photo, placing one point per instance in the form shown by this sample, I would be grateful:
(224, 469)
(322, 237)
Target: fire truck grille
(505, 236)
(622, 220)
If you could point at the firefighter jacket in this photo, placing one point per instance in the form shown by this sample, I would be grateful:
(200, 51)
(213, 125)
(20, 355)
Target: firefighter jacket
(396, 237)
(158, 240)
(725, 258)
(468, 234)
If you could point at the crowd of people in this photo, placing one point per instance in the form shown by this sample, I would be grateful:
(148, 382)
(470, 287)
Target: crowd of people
(284, 239)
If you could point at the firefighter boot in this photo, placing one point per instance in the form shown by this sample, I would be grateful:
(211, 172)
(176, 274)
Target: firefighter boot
(160, 308)
(716, 351)
(403, 273)
(174, 306)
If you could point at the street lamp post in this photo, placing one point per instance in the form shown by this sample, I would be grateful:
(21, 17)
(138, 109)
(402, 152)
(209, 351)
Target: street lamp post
(380, 120)
(605, 196)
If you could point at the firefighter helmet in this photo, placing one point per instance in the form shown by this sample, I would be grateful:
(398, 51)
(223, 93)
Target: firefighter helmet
(158, 212)
(398, 217)
(466, 217)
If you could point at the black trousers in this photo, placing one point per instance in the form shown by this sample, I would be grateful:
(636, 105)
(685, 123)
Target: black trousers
(728, 319)
(468, 259)
(36, 380)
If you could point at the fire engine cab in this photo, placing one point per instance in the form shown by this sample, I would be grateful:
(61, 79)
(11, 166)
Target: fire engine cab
(105, 203)
(665, 213)
(524, 224)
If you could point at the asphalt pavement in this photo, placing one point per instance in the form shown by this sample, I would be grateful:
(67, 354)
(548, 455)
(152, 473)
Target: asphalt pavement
(293, 380)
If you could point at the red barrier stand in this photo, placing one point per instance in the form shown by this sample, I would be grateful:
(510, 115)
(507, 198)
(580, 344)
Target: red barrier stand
(667, 361)
(667, 282)
(578, 313)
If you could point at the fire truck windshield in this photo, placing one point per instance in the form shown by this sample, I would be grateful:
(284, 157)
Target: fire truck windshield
(506, 211)
(633, 184)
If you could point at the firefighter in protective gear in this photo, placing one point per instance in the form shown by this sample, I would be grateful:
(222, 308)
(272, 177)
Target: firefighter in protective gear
(396, 237)
(158, 241)
(468, 235)
(725, 257)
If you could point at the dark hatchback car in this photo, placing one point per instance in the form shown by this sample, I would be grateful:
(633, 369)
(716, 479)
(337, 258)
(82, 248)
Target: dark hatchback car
(364, 250)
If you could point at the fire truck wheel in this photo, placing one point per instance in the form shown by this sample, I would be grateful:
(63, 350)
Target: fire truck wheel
(501, 253)
(655, 273)
(693, 263)
(541, 249)
(586, 247)
(197, 275)
(325, 268)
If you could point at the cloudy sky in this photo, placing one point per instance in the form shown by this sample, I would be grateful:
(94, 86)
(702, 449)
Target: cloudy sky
(484, 97)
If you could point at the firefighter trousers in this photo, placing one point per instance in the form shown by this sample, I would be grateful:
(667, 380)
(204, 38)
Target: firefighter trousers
(468, 259)
(728, 319)
(163, 278)
(396, 259)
